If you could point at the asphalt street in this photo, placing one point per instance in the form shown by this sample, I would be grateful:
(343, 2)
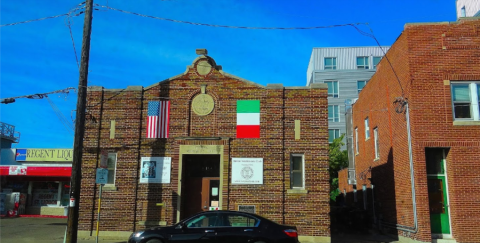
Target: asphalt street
(38, 230)
(52, 230)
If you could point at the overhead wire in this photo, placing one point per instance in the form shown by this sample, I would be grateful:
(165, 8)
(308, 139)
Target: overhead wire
(227, 26)
(60, 116)
(68, 23)
(33, 20)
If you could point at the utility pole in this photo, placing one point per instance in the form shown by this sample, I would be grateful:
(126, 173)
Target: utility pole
(75, 183)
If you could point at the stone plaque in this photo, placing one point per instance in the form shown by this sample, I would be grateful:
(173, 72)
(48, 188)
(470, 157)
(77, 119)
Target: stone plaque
(203, 104)
(246, 208)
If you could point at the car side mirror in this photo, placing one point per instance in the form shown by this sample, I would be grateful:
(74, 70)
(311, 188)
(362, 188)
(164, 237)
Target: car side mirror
(182, 226)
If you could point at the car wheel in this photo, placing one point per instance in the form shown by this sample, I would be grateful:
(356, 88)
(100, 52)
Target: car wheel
(154, 241)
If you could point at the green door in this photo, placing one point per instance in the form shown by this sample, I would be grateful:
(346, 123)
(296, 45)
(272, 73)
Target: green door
(437, 189)
(437, 198)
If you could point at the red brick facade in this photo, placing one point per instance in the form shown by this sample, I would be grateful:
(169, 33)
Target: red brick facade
(427, 58)
(130, 205)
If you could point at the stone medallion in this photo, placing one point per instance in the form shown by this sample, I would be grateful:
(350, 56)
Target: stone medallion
(203, 104)
(203, 67)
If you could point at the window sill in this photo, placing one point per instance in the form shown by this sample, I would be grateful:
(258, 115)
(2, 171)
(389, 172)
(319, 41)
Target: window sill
(377, 159)
(297, 191)
(109, 188)
(357, 154)
(367, 139)
(466, 123)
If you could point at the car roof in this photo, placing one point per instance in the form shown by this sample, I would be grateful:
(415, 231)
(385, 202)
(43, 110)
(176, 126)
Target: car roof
(241, 212)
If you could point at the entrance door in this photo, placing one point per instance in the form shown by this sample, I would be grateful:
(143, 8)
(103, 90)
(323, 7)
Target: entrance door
(200, 184)
(210, 192)
(437, 191)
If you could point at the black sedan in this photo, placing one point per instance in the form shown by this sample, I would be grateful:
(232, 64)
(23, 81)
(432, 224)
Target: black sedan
(220, 227)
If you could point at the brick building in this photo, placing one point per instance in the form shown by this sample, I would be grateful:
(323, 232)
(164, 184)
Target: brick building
(219, 142)
(422, 129)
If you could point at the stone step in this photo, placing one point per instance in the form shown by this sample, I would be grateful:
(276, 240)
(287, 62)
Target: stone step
(444, 241)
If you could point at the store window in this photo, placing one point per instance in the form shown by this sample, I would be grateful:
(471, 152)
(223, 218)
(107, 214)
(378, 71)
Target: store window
(44, 194)
(14, 186)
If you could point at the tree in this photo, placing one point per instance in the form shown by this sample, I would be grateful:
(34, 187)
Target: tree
(337, 160)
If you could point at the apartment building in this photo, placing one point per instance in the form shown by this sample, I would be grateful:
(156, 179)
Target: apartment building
(346, 70)
(468, 8)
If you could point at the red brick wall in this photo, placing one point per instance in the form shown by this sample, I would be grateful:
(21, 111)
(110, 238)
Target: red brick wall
(423, 57)
(133, 202)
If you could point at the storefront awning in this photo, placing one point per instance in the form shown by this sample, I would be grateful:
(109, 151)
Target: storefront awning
(14, 170)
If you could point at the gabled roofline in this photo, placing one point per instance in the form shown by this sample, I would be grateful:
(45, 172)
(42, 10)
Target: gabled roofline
(217, 67)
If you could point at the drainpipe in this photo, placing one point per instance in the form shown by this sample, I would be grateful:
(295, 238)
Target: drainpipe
(373, 205)
(283, 155)
(412, 178)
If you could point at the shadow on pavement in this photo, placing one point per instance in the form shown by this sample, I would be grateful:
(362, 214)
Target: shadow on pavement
(351, 225)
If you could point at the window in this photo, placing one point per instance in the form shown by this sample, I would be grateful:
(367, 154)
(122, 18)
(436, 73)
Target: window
(375, 137)
(465, 100)
(333, 113)
(333, 134)
(296, 171)
(330, 63)
(356, 140)
(47, 193)
(360, 85)
(332, 88)
(367, 129)
(376, 60)
(240, 220)
(463, 13)
(204, 220)
(362, 62)
(112, 166)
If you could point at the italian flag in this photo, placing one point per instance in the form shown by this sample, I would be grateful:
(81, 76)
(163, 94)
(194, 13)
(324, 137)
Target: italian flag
(248, 118)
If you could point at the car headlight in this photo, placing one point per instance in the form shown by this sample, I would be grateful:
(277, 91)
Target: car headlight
(137, 234)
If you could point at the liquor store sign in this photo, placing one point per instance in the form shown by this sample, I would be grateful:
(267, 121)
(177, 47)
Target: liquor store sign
(55, 155)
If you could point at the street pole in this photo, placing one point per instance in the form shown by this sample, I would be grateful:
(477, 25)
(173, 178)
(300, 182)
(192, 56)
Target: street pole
(99, 206)
(75, 183)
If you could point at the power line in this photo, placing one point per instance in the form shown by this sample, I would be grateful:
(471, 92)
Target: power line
(228, 26)
(60, 116)
(68, 23)
(41, 95)
(70, 13)
(33, 20)
(384, 53)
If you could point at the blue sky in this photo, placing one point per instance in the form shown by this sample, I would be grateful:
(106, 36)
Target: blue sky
(126, 49)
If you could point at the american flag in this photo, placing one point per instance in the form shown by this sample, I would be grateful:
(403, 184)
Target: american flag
(158, 119)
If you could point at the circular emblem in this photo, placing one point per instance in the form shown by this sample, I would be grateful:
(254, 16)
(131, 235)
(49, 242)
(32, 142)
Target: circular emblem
(203, 104)
(203, 67)
(247, 172)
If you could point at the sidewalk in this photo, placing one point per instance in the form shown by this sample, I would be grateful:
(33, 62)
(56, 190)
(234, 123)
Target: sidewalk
(52, 230)
(40, 230)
